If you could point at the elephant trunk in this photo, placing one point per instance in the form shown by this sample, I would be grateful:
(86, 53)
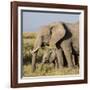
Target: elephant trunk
(33, 62)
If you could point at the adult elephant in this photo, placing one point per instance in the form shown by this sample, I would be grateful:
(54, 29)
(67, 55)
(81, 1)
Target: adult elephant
(62, 36)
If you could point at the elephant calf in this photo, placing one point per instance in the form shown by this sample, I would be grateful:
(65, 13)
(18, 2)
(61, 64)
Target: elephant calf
(50, 57)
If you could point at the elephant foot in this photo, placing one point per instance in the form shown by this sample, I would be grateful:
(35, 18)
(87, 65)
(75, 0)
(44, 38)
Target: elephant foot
(33, 69)
(41, 68)
(60, 67)
(76, 66)
(70, 66)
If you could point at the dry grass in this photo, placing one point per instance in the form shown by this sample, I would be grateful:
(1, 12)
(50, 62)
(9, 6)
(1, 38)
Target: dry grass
(48, 71)
(29, 35)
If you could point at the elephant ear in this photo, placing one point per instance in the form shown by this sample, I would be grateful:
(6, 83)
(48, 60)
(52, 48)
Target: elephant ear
(58, 32)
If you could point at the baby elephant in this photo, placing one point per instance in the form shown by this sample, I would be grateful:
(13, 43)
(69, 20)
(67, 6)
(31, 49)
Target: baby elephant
(50, 57)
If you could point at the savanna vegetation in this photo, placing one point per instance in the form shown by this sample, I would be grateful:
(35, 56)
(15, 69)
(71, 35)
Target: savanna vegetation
(48, 69)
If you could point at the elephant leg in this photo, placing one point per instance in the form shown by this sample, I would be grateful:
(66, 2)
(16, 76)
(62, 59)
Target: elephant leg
(34, 62)
(66, 46)
(73, 58)
(78, 61)
(69, 58)
(41, 66)
(56, 64)
(59, 58)
(43, 61)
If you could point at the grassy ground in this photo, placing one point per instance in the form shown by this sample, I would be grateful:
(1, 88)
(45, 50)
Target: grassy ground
(48, 71)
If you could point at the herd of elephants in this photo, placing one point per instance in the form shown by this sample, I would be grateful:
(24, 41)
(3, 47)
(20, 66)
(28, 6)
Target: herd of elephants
(63, 40)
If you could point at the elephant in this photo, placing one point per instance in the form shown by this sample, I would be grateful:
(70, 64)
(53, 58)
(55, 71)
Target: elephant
(63, 36)
(75, 56)
(71, 45)
(50, 57)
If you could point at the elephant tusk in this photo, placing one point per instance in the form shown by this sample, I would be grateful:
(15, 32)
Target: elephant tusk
(32, 52)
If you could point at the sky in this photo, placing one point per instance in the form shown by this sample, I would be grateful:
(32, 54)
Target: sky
(33, 20)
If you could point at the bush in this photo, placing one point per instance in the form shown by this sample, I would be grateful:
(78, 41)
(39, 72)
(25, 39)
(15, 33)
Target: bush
(29, 35)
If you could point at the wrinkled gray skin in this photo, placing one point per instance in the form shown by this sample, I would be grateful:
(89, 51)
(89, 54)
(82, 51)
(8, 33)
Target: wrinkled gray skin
(50, 57)
(64, 36)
